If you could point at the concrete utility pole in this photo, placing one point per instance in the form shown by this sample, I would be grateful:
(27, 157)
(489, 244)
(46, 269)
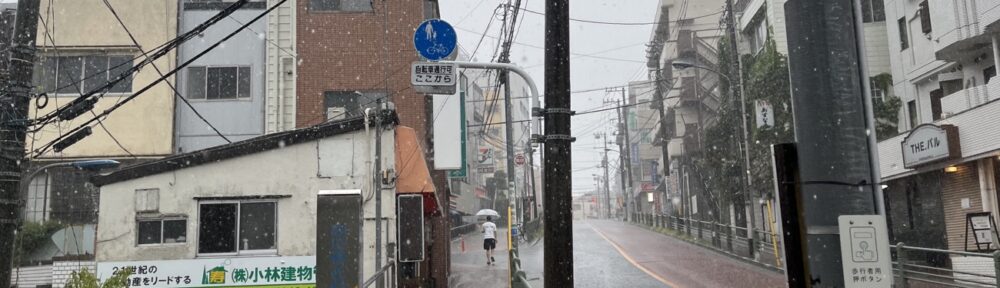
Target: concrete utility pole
(834, 149)
(607, 188)
(627, 151)
(748, 191)
(14, 101)
(621, 157)
(558, 161)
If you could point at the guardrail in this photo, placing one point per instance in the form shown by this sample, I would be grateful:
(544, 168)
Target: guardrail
(518, 278)
(908, 265)
(463, 229)
(722, 237)
(387, 275)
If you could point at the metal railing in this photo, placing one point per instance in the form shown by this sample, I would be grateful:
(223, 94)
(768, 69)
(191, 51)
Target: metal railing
(387, 275)
(722, 237)
(927, 265)
(518, 278)
(463, 229)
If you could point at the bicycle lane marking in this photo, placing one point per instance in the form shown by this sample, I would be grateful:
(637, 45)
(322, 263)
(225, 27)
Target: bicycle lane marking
(632, 261)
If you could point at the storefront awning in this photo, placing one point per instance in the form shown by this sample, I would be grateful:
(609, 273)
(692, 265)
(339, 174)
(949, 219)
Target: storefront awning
(411, 167)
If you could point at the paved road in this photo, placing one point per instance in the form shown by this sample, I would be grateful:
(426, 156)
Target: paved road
(469, 269)
(678, 263)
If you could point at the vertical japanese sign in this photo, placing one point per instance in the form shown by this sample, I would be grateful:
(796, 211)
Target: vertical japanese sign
(297, 271)
(765, 115)
(864, 250)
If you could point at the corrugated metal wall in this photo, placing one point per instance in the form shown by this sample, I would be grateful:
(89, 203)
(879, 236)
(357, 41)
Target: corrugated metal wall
(32, 276)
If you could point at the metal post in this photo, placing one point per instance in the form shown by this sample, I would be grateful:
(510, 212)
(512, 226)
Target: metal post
(13, 116)
(531, 173)
(558, 165)
(901, 260)
(827, 82)
(786, 176)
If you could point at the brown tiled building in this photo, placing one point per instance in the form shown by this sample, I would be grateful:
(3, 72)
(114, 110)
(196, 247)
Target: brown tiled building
(352, 52)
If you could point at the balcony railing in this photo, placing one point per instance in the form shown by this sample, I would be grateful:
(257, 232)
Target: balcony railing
(969, 98)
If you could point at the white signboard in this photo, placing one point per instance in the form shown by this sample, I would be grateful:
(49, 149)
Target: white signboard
(433, 78)
(928, 143)
(765, 115)
(485, 156)
(448, 132)
(864, 250)
(296, 271)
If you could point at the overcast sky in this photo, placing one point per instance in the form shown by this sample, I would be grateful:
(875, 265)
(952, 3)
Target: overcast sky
(621, 49)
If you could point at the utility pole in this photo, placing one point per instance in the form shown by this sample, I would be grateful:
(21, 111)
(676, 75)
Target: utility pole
(626, 150)
(558, 161)
(832, 131)
(748, 191)
(14, 101)
(607, 188)
(621, 157)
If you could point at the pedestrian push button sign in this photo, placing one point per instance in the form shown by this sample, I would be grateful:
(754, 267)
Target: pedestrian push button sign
(864, 249)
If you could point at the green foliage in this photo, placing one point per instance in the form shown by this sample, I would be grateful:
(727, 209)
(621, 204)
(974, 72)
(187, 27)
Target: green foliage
(33, 236)
(887, 110)
(767, 81)
(85, 279)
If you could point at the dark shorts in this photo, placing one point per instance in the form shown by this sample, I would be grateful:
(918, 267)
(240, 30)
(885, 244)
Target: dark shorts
(489, 244)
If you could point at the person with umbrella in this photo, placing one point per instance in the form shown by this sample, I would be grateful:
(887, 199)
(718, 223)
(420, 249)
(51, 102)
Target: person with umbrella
(489, 239)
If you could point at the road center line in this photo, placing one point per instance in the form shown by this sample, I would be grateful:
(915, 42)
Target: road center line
(632, 261)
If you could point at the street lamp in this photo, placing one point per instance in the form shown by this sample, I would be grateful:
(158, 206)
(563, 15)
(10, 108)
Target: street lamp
(87, 165)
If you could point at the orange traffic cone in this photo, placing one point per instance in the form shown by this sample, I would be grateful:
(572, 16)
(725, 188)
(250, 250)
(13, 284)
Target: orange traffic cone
(463, 244)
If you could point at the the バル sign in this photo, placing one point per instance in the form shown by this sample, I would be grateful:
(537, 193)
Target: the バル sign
(930, 143)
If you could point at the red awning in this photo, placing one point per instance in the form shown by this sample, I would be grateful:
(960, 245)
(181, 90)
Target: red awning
(413, 175)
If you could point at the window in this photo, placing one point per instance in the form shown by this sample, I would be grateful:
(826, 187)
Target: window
(925, 17)
(162, 231)
(872, 11)
(903, 38)
(218, 83)
(911, 110)
(876, 92)
(36, 208)
(758, 36)
(936, 96)
(988, 73)
(340, 5)
(81, 74)
(237, 227)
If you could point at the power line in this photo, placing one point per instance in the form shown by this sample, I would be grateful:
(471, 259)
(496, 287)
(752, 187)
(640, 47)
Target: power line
(543, 48)
(42, 149)
(166, 48)
(76, 85)
(627, 23)
(177, 94)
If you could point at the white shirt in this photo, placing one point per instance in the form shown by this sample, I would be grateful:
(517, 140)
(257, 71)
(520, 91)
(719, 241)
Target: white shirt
(489, 230)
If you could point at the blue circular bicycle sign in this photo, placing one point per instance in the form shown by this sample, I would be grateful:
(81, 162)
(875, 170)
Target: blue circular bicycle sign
(435, 39)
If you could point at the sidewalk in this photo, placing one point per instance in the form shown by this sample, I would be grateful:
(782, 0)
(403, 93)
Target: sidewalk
(469, 269)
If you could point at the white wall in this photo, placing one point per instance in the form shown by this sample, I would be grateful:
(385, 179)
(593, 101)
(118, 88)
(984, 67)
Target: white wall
(292, 170)
(280, 101)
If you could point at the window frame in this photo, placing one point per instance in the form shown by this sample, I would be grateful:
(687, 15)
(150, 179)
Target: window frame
(46, 183)
(138, 220)
(187, 83)
(83, 55)
(904, 35)
(873, 15)
(924, 11)
(239, 252)
(339, 9)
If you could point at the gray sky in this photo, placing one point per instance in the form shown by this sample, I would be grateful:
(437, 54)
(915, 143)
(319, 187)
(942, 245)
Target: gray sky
(621, 42)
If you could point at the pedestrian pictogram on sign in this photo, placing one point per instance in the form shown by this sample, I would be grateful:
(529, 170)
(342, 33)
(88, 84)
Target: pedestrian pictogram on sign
(864, 250)
(435, 39)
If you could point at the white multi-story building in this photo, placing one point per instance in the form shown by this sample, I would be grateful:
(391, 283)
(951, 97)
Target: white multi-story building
(942, 168)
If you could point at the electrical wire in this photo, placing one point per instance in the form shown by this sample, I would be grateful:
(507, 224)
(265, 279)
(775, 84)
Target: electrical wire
(626, 23)
(166, 48)
(76, 85)
(42, 149)
(177, 94)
